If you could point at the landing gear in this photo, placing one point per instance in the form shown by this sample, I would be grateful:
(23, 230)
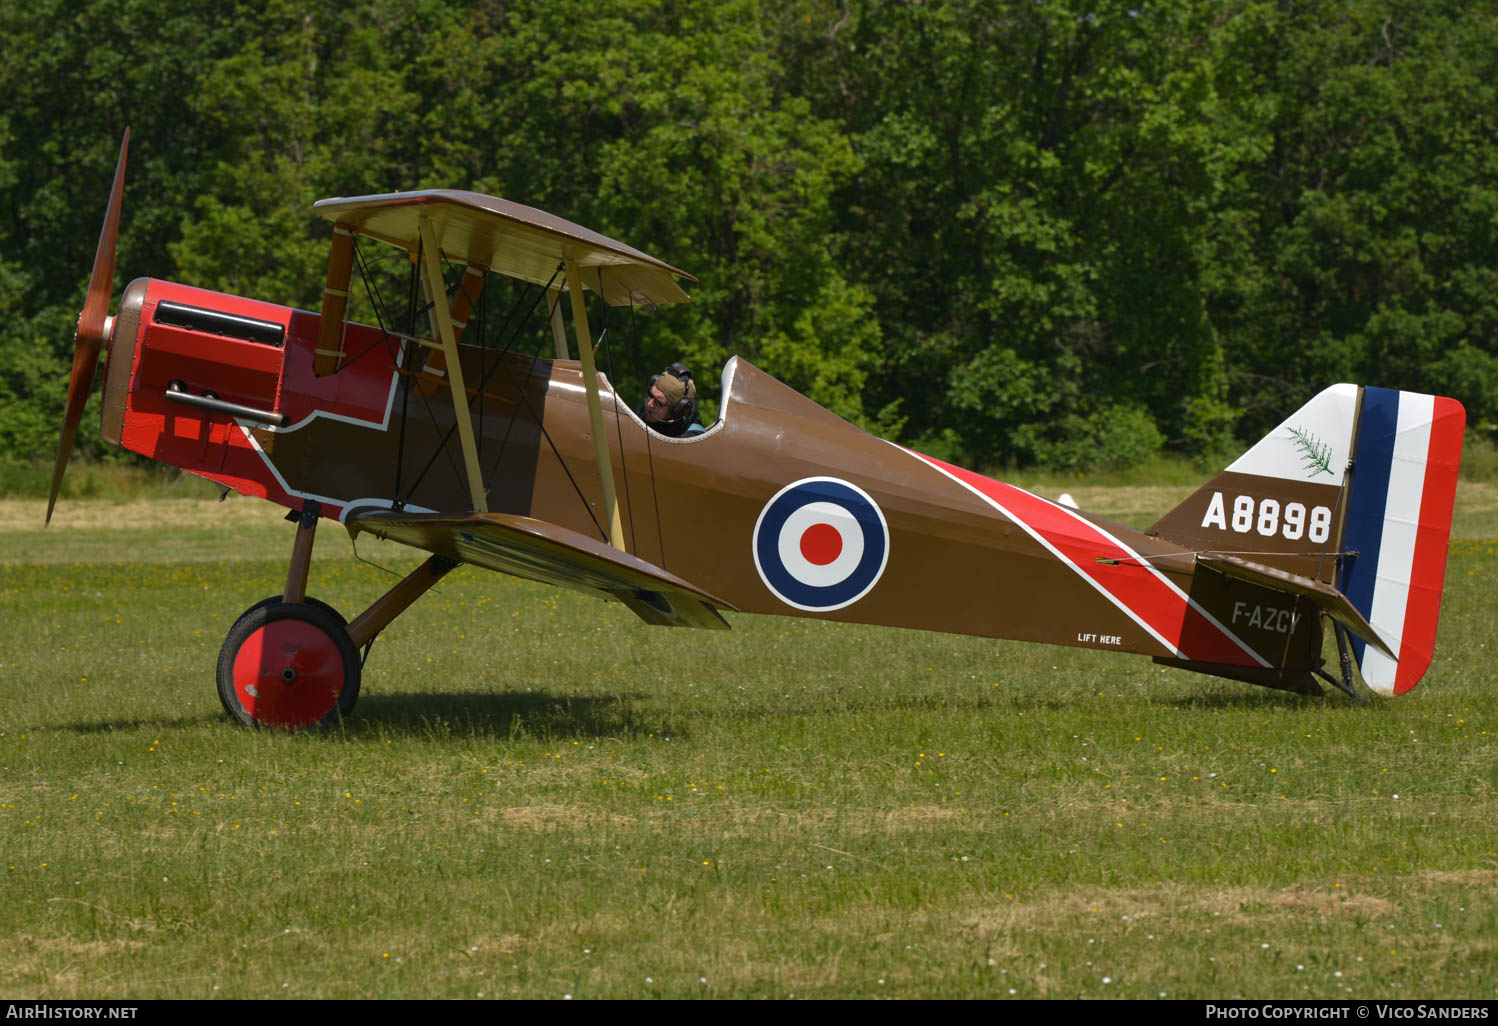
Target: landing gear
(288, 665)
(288, 661)
(292, 662)
(1345, 683)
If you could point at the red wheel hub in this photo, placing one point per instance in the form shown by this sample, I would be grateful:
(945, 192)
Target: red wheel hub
(288, 674)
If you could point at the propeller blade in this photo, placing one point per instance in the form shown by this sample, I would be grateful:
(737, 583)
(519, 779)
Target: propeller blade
(91, 333)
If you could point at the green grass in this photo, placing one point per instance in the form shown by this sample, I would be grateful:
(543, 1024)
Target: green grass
(538, 796)
(1479, 457)
(114, 482)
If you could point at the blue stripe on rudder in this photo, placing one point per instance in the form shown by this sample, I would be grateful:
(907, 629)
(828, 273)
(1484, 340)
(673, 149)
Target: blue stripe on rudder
(1377, 427)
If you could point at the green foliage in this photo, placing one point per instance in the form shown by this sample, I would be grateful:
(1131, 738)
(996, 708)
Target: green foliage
(978, 228)
(1114, 438)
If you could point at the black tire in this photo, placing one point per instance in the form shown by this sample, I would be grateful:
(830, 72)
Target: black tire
(302, 669)
(307, 600)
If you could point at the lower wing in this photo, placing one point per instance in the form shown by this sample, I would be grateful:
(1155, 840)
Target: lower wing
(545, 552)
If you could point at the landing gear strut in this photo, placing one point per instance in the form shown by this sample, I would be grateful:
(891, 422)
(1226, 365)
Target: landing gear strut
(1345, 683)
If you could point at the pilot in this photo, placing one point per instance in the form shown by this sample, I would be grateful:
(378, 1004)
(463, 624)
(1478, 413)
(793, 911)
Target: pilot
(671, 408)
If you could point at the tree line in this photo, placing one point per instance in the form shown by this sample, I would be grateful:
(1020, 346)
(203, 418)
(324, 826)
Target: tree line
(1016, 231)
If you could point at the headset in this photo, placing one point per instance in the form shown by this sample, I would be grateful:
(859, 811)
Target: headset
(686, 406)
(684, 410)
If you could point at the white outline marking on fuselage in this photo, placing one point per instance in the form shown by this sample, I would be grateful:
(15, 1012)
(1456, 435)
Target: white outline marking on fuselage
(1096, 584)
(382, 425)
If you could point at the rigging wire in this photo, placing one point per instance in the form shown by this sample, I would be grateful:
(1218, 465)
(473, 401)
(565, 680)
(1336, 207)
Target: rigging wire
(389, 335)
(477, 314)
(483, 382)
(479, 388)
(510, 427)
(354, 541)
(442, 446)
(1145, 560)
(411, 350)
(537, 417)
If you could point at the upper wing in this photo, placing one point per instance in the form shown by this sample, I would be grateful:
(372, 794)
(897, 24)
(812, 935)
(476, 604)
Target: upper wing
(512, 239)
(541, 551)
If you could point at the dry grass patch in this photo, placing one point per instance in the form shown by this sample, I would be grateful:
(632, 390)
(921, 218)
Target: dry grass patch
(1455, 878)
(718, 958)
(503, 944)
(59, 968)
(1476, 497)
(25, 944)
(912, 815)
(545, 818)
(1236, 905)
(29, 514)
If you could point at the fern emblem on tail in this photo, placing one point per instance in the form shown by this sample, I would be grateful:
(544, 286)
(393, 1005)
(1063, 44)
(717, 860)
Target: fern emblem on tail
(1316, 456)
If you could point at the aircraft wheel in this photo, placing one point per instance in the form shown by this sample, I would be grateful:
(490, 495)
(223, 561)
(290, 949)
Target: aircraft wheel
(288, 666)
(307, 600)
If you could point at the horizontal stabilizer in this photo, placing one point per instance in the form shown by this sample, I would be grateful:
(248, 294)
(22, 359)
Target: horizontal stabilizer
(1326, 598)
(545, 552)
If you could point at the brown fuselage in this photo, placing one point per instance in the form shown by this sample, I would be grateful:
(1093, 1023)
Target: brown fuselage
(954, 551)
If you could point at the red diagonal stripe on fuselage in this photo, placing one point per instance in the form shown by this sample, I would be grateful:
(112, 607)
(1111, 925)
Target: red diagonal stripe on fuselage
(1133, 585)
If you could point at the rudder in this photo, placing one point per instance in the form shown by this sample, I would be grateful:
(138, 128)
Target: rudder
(1408, 452)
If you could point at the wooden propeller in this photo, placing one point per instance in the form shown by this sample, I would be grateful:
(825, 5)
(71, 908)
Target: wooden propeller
(93, 327)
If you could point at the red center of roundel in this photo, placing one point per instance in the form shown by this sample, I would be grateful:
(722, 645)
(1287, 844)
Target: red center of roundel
(821, 544)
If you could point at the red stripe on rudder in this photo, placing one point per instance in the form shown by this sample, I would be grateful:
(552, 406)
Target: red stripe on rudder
(1432, 541)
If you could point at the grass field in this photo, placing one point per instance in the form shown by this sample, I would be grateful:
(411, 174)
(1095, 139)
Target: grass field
(537, 796)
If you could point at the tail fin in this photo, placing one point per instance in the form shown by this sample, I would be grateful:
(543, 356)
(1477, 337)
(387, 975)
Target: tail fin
(1279, 504)
(1370, 472)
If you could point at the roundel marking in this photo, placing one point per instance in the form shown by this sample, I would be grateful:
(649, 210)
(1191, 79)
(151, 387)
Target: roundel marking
(820, 544)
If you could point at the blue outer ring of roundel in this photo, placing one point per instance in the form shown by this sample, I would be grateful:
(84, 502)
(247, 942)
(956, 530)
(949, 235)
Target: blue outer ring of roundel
(850, 589)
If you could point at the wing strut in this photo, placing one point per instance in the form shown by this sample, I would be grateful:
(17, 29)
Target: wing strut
(328, 356)
(558, 332)
(595, 405)
(443, 316)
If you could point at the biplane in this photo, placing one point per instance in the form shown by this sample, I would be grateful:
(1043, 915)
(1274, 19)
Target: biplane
(414, 430)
